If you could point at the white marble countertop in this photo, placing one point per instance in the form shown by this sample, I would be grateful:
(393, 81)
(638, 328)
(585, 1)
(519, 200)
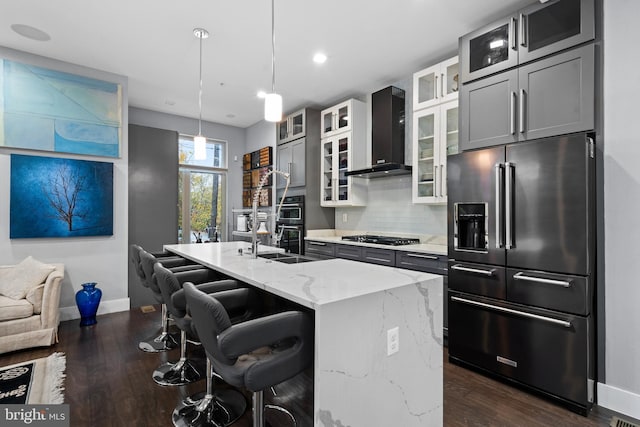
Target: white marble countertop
(311, 284)
(430, 245)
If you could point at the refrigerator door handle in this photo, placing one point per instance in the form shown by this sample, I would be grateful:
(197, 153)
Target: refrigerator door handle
(564, 323)
(521, 276)
(459, 267)
(508, 214)
(499, 198)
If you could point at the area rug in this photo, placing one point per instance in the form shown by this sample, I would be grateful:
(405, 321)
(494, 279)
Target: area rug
(39, 381)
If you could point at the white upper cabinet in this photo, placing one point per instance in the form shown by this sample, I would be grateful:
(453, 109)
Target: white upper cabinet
(339, 118)
(436, 84)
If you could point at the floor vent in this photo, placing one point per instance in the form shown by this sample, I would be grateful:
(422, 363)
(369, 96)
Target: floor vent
(147, 309)
(617, 422)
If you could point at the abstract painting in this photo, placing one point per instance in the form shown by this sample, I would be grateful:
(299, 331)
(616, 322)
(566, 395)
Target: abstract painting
(50, 110)
(55, 197)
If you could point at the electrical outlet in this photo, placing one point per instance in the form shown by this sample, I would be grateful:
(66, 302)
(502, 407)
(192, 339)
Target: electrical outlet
(344, 217)
(393, 341)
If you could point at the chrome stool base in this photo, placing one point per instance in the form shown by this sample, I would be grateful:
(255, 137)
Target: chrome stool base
(175, 374)
(221, 409)
(163, 342)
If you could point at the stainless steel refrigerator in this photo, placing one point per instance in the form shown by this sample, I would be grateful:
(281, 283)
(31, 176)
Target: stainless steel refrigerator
(521, 244)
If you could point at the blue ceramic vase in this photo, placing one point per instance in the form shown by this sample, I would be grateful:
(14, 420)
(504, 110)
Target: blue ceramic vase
(88, 299)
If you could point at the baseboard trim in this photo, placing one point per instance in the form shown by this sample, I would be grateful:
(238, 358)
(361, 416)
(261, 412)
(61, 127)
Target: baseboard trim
(111, 306)
(619, 400)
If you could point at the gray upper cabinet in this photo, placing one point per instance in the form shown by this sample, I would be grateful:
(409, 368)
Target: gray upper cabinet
(553, 96)
(557, 95)
(292, 127)
(529, 34)
(290, 157)
(488, 111)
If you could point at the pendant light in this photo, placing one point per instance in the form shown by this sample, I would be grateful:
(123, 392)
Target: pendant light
(273, 101)
(199, 141)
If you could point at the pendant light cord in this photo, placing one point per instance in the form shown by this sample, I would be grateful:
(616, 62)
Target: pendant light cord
(200, 93)
(273, 49)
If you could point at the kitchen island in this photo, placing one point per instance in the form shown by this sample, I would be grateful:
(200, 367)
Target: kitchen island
(356, 382)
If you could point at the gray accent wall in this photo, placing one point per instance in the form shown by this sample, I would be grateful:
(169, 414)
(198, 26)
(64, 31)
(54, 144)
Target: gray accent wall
(153, 197)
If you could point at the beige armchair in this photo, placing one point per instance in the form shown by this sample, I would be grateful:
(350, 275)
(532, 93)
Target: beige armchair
(32, 321)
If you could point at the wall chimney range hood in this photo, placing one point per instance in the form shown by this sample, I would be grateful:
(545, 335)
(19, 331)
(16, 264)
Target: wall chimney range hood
(387, 135)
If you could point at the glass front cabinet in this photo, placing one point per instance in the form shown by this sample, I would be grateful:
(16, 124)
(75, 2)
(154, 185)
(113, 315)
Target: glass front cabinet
(337, 119)
(534, 32)
(435, 136)
(338, 158)
(436, 84)
(292, 127)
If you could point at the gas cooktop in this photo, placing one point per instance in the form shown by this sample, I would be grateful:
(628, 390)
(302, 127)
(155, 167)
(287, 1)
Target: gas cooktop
(381, 240)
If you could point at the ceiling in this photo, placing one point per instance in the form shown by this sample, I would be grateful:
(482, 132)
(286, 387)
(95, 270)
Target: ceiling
(369, 45)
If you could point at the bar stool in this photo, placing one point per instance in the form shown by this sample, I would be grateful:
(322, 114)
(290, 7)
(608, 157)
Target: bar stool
(164, 341)
(256, 354)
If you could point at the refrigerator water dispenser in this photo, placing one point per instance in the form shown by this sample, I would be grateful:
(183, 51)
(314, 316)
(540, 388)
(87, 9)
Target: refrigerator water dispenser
(471, 230)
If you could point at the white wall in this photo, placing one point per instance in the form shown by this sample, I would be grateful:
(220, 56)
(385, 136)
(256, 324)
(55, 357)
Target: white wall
(86, 259)
(622, 205)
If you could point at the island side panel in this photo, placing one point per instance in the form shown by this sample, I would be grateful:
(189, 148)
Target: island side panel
(356, 383)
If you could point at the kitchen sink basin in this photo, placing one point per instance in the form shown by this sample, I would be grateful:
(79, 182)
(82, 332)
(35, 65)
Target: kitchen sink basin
(287, 258)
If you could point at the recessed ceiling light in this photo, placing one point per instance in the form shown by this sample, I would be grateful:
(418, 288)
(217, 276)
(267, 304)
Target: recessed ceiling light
(31, 32)
(262, 94)
(319, 58)
(230, 116)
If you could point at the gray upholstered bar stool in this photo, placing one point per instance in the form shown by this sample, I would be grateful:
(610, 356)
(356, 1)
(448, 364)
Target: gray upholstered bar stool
(165, 341)
(170, 285)
(256, 354)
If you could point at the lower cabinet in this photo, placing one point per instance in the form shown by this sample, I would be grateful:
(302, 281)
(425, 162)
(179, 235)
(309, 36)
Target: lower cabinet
(319, 249)
(379, 256)
(349, 252)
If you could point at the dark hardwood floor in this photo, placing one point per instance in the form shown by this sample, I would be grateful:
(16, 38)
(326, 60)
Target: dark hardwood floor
(109, 383)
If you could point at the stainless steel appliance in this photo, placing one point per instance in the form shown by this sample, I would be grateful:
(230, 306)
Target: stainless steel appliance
(381, 240)
(291, 224)
(522, 264)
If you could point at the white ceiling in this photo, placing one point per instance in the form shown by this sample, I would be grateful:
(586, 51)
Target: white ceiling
(369, 43)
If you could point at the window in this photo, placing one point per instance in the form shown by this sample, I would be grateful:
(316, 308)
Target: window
(201, 192)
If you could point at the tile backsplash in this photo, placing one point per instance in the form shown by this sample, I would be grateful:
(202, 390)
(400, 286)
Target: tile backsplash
(389, 209)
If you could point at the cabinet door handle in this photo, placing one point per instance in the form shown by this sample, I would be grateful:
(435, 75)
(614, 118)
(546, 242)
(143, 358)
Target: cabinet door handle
(443, 181)
(511, 311)
(317, 244)
(435, 88)
(563, 283)
(442, 85)
(523, 30)
(512, 33)
(523, 95)
(459, 267)
(335, 184)
(290, 168)
(422, 256)
(512, 121)
(435, 181)
(378, 259)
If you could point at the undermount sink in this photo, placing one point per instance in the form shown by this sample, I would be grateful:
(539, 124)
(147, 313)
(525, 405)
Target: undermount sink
(287, 258)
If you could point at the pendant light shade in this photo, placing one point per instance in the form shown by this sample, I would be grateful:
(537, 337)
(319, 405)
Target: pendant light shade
(273, 101)
(272, 107)
(199, 147)
(199, 141)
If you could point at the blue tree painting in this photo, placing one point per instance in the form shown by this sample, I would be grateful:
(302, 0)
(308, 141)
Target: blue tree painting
(54, 197)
